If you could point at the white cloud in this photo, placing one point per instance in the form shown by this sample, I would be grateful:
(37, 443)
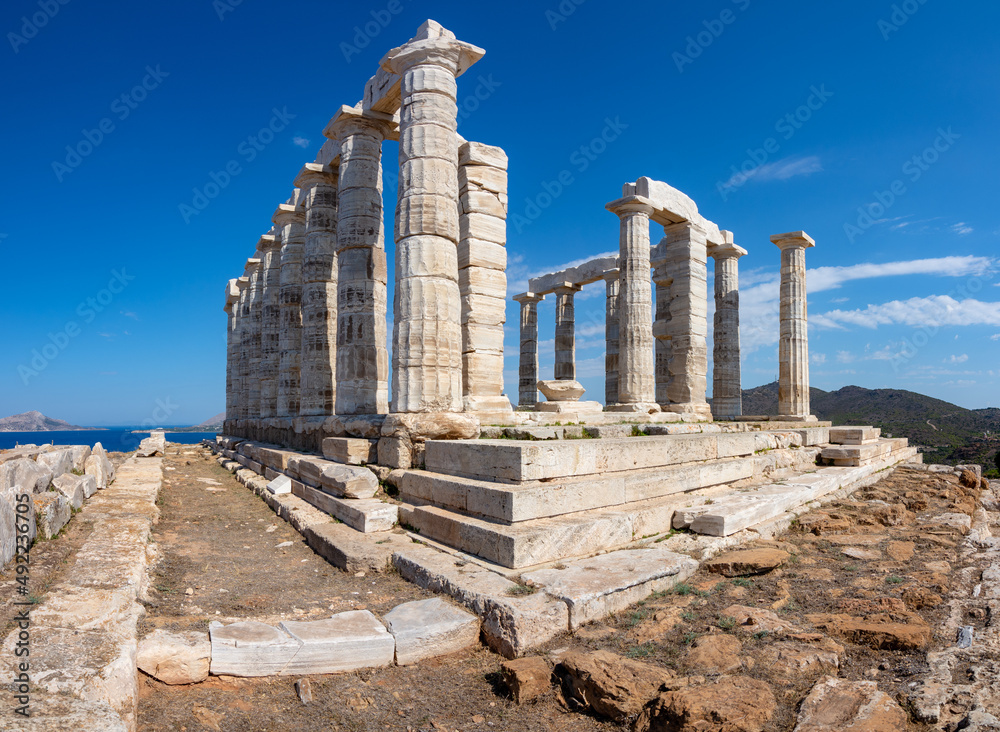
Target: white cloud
(933, 312)
(778, 170)
(818, 358)
(300, 141)
(957, 359)
(962, 228)
(845, 357)
(839, 300)
(995, 337)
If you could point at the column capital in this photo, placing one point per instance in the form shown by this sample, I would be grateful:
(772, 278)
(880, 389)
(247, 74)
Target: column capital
(314, 174)
(730, 251)
(528, 297)
(349, 121)
(631, 205)
(566, 288)
(793, 239)
(269, 243)
(612, 275)
(242, 283)
(286, 214)
(433, 44)
(251, 266)
(232, 294)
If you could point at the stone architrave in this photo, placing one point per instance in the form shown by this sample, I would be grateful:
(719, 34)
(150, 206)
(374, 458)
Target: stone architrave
(482, 276)
(232, 349)
(528, 371)
(793, 345)
(687, 262)
(636, 375)
(254, 300)
(565, 358)
(727, 394)
(661, 332)
(243, 338)
(612, 282)
(362, 365)
(318, 358)
(427, 338)
(292, 223)
(270, 247)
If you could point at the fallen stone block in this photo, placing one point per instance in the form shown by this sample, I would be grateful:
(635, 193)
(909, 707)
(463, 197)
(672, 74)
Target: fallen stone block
(512, 625)
(596, 587)
(52, 512)
(29, 476)
(349, 481)
(79, 454)
(346, 642)
(430, 628)
(280, 485)
(71, 486)
(58, 461)
(527, 678)
(839, 705)
(250, 649)
(609, 685)
(175, 658)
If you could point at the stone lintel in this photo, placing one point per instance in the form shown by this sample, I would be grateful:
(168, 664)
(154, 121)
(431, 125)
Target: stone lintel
(584, 274)
(793, 239)
(329, 153)
(348, 120)
(636, 408)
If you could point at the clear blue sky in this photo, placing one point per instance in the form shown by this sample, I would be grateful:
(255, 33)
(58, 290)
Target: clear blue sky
(693, 93)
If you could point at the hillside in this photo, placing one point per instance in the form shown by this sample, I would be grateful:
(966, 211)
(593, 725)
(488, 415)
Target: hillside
(35, 422)
(215, 421)
(949, 433)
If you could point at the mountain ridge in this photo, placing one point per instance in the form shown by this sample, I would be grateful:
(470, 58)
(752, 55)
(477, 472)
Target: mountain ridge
(35, 421)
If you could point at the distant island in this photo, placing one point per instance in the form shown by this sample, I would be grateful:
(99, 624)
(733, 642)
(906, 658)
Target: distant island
(213, 424)
(38, 422)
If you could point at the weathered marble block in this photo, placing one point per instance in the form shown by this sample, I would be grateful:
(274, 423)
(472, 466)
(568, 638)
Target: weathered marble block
(346, 642)
(430, 628)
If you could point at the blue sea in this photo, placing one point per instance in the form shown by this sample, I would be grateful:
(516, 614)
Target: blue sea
(114, 439)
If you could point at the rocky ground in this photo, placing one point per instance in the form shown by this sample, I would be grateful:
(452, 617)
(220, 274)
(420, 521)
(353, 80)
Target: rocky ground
(837, 617)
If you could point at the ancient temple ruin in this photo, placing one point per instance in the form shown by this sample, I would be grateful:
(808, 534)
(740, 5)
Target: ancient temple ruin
(510, 490)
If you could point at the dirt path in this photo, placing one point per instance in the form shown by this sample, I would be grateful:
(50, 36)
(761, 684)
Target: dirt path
(222, 542)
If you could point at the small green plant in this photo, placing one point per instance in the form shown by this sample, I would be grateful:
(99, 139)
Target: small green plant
(689, 638)
(760, 635)
(688, 616)
(709, 501)
(637, 432)
(636, 617)
(726, 622)
(521, 590)
(644, 651)
(850, 568)
(743, 582)
(895, 580)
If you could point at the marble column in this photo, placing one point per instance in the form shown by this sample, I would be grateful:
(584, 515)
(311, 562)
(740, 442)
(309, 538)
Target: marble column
(636, 373)
(565, 361)
(727, 394)
(661, 332)
(793, 345)
(232, 348)
(242, 338)
(528, 372)
(362, 360)
(687, 261)
(318, 358)
(427, 338)
(270, 247)
(612, 281)
(292, 223)
(254, 300)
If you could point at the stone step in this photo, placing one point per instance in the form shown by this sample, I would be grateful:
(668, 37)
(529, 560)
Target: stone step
(515, 503)
(861, 454)
(351, 450)
(510, 461)
(854, 435)
(367, 515)
(538, 541)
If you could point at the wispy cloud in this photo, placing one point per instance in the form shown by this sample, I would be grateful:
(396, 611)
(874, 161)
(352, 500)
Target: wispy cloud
(962, 228)
(995, 337)
(957, 359)
(933, 312)
(818, 358)
(778, 170)
(300, 141)
(129, 314)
